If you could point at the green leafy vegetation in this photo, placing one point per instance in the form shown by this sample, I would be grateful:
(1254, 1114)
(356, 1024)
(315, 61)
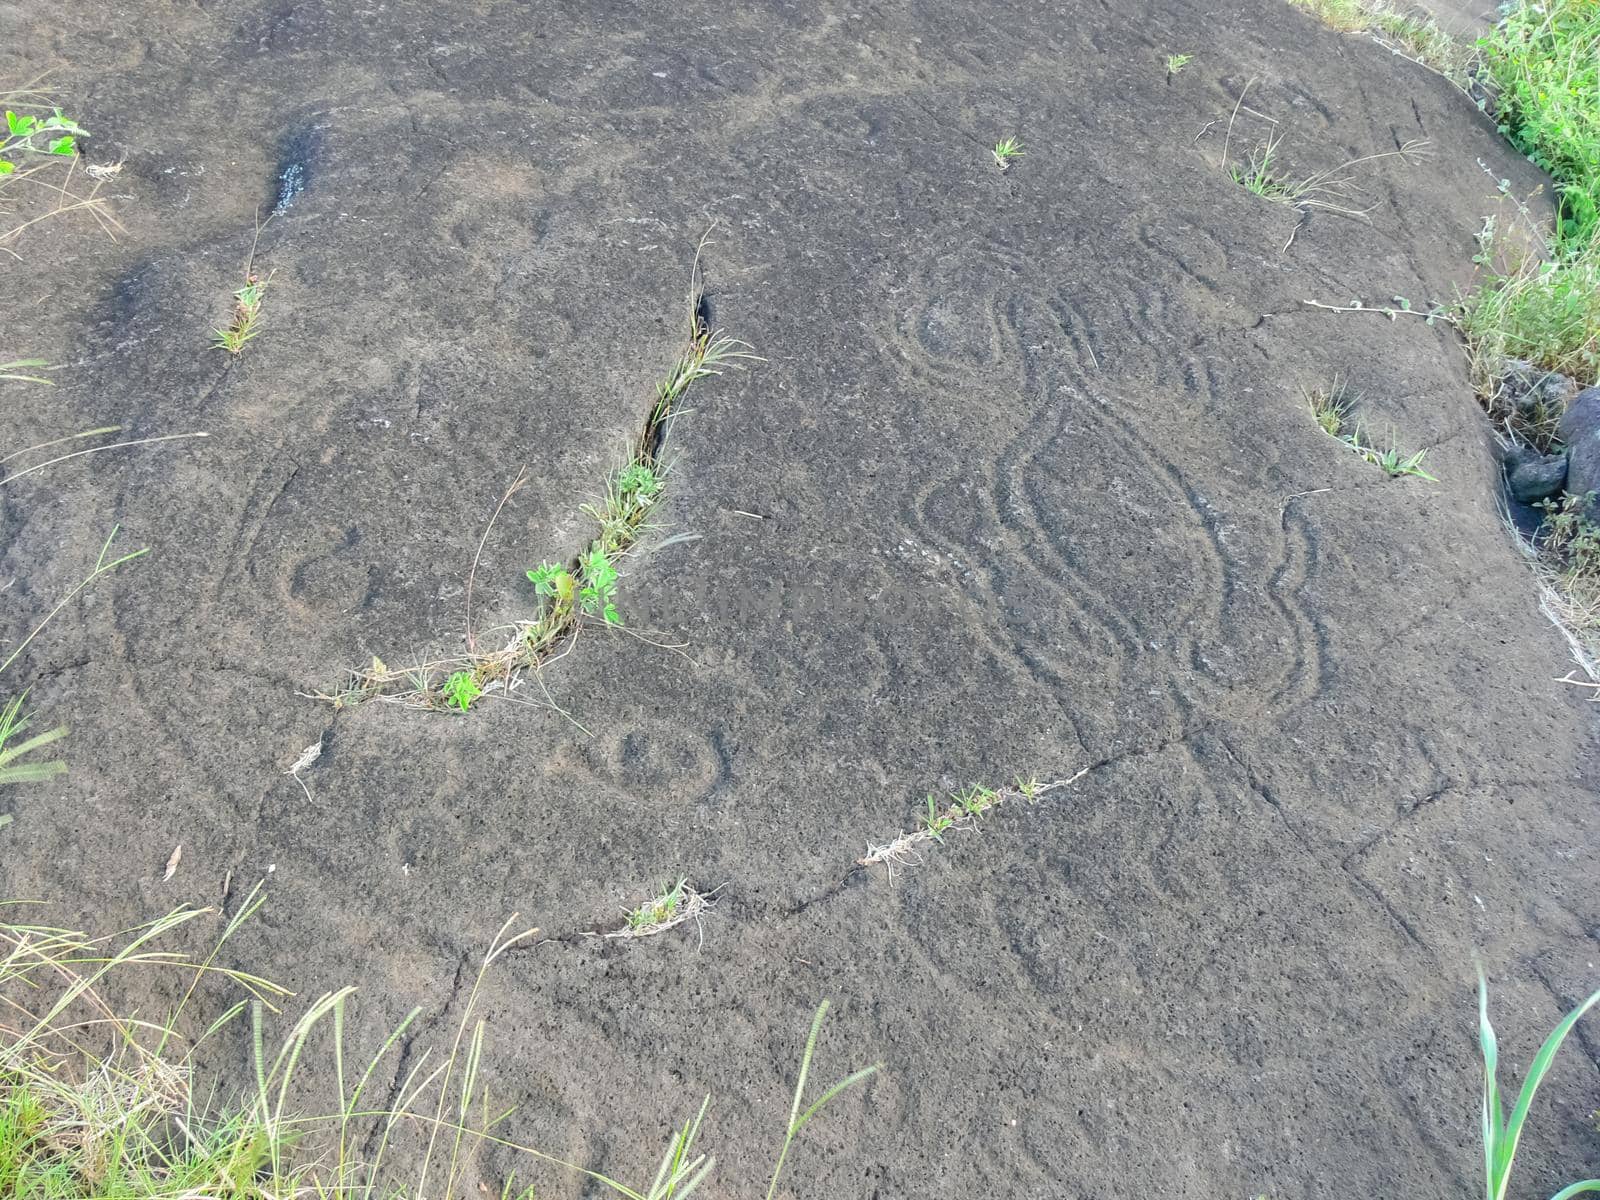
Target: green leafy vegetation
(1502, 1131)
(1569, 542)
(29, 135)
(96, 1100)
(460, 689)
(1536, 304)
(39, 152)
(1543, 62)
(1177, 62)
(1006, 151)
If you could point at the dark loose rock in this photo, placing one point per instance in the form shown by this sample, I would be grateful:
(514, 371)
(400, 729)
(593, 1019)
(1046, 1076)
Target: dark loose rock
(1580, 430)
(1531, 476)
(1531, 389)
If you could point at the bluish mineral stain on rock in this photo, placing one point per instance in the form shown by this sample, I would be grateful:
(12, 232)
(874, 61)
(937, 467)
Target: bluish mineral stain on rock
(291, 182)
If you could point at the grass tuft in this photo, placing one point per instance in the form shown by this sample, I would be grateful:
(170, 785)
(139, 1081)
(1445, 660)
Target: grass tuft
(961, 810)
(670, 907)
(1332, 407)
(98, 1101)
(1006, 151)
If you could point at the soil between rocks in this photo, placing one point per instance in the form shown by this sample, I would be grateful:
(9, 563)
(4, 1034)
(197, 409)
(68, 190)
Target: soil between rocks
(1037, 491)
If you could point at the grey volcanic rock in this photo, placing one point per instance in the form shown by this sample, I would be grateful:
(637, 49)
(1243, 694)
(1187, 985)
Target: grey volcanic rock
(1531, 476)
(1580, 430)
(1531, 389)
(1020, 485)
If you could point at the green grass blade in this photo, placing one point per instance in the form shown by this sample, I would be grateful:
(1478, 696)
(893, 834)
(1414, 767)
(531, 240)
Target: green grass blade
(1491, 1090)
(1577, 1189)
(848, 1082)
(1540, 1067)
(32, 772)
(33, 743)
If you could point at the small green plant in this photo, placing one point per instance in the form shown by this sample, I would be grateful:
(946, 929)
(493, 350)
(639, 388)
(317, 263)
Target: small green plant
(1569, 539)
(245, 323)
(1331, 406)
(29, 135)
(12, 724)
(1390, 459)
(937, 820)
(460, 689)
(1006, 150)
(1177, 62)
(592, 589)
(599, 585)
(660, 909)
(638, 479)
(1502, 1132)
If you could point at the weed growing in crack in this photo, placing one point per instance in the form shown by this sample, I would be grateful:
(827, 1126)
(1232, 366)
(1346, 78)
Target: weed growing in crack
(1391, 460)
(962, 809)
(460, 689)
(587, 586)
(1177, 62)
(245, 322)
(1262, 174)
(1006, 151)
(1331, 406)
(669, 907)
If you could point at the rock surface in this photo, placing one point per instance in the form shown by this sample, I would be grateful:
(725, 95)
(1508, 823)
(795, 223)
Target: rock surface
(1002, 525)
(1531, 476)
(1580, 431)
(1531, 390)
